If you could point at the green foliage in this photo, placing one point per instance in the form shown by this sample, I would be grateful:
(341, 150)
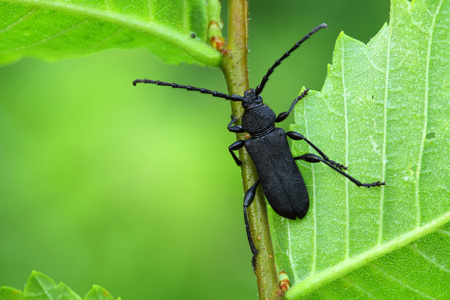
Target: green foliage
(41, 287)
(383, 112)
(56, 29)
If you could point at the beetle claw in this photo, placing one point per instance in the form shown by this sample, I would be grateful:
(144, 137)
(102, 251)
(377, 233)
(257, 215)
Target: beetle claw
(338, 165)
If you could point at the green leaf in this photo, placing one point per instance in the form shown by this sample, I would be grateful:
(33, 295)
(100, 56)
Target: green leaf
(383, 112)
(7, 293)
(41, 287)
(98, 293)
(57, 29)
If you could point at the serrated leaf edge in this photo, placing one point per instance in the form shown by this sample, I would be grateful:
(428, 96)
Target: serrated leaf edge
(38, 277)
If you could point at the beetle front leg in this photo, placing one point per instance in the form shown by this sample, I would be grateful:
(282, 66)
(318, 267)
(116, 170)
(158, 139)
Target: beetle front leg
(282, 116)
(236, 128)
(248, 199)
(299, 137)
(312, 158)
(236, 146)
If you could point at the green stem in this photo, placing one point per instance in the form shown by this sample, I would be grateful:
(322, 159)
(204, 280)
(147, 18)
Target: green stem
(234, 68)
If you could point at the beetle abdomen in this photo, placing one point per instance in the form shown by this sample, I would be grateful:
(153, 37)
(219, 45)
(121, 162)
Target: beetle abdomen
(280, 178)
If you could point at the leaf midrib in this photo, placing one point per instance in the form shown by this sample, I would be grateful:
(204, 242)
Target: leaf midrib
(197, 49)
(312, 283)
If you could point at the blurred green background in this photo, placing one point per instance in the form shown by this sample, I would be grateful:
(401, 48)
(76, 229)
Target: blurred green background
(133, 188)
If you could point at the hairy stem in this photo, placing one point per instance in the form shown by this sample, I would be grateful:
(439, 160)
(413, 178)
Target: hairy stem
(234, 68)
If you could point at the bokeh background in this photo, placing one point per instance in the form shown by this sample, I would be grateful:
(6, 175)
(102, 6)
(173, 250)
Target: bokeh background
(133, 188)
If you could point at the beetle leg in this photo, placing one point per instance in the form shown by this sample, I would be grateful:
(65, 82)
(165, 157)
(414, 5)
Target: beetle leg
(285, 114)
(236, 146)
(248, 199)
(297, 136)
(237, 128)
(312, 158)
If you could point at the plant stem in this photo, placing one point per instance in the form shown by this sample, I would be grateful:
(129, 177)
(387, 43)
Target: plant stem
(234, 68)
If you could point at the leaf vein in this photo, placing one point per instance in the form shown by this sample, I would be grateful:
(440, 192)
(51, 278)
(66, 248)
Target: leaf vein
(443, 232)
(186, 18)
(108, 5)
(107, 38)
(380, 270)
(429, 259)
(347, 212)
(291, 260)
(30, 13)
(51, 37)
(150, 11)
(383, 151)
(425, 116)
(314, 253)
(358, 287)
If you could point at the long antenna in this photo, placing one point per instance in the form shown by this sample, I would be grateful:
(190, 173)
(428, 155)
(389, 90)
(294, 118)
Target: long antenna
(191, 88)
(260, 87)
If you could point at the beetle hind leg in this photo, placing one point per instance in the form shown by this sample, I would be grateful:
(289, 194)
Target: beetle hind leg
(312, 158)
(248, 199)
(299, 137)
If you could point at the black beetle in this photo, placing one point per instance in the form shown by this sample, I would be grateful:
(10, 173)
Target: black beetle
(279, 176)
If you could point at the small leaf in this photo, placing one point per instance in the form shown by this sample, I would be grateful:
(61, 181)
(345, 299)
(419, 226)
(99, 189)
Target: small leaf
(98, 293)
(383, 112)
(176, 31)
(41, 287)
(7, 293)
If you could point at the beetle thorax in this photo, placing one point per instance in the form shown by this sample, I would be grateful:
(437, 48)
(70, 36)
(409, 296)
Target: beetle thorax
(258, 120)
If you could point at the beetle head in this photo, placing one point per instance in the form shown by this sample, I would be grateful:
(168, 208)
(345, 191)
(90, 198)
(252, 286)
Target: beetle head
(251, 100)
